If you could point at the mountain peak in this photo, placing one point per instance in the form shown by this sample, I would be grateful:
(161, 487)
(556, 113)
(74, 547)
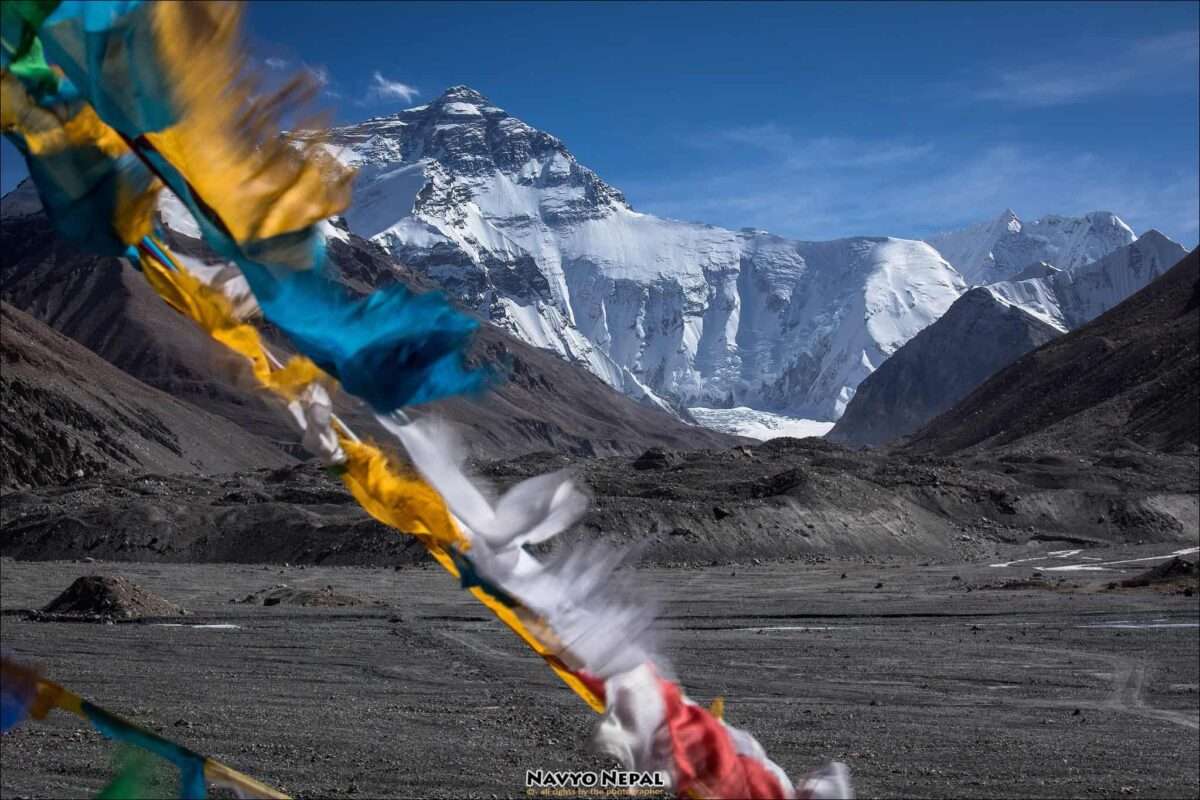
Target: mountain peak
(999, 249)
(1109, 220)
(1154, 235)
(462, 94)
(1009, 221)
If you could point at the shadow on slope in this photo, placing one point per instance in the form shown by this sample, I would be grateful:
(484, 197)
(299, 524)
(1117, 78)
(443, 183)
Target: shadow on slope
(1130, 378)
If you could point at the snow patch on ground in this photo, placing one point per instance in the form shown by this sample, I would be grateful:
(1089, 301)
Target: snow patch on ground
(213, 626)
(1052, 554)
(763, 425)
(1103, 565)
(1135, 626)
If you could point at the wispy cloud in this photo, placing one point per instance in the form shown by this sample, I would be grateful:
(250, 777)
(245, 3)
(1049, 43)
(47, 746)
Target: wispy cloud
(317, 73)
(827, 152)
(384, 90)
(1148, 65)
(321, 76)
(851, 154)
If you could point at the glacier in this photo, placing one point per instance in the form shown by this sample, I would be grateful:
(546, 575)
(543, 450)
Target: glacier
(761, 425)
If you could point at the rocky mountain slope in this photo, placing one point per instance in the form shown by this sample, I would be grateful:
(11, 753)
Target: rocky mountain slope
(1128, 379)
(67, 414)
(979, 335)
(505, 218)
(998, 250)
(103, 303)
(106, 305)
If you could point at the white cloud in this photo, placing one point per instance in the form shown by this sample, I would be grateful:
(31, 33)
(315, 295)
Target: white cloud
(385, 90)
(276, 63)
(1145, 65)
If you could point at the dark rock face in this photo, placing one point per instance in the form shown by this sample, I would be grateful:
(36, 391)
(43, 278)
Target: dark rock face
(1129, 377)
(986, 330)
(978, 336)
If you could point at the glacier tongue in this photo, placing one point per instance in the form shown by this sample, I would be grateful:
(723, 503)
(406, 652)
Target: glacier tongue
(761, 425)
(505, 218)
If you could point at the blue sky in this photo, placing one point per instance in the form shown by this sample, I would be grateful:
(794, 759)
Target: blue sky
(809, 120)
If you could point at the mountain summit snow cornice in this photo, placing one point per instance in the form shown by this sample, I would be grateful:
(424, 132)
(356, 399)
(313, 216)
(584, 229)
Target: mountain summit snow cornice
(502, 215)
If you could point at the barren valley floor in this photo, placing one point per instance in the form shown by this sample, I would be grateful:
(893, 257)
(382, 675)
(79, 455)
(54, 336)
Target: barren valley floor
(928, 680)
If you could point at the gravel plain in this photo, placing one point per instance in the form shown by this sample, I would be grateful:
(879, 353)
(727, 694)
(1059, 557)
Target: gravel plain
(928, 679)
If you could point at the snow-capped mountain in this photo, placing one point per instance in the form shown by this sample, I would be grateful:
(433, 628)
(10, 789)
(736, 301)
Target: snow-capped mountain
(502, 215)
(990, 327)
(998, 250)
(1068, 298)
